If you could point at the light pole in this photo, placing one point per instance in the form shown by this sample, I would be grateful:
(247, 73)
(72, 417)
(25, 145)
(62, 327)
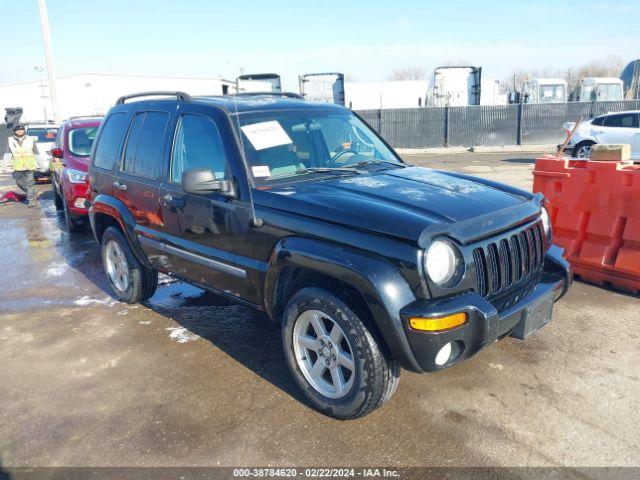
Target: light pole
(46, 37)
(43, 95)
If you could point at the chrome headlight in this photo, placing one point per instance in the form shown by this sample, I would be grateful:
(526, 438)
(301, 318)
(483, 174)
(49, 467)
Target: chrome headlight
(546, 222)
(76, 176)
(442, 262)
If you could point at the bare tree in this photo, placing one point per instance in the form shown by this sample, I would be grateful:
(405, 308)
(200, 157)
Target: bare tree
(607, 67)
(410, 73)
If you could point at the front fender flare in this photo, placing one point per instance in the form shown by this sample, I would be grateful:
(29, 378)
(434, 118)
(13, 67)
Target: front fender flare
(379, 282)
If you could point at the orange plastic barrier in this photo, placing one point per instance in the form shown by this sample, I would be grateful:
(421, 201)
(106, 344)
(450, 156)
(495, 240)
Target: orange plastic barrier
(595, 213)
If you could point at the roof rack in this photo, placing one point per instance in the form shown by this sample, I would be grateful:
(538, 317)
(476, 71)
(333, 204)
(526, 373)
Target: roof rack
(273, 94)
(184, 97)
(77, 117)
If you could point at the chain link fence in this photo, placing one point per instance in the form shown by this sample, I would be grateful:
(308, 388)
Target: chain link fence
(480, 125)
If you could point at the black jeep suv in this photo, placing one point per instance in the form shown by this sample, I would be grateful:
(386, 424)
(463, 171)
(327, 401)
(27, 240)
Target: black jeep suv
(301, 210)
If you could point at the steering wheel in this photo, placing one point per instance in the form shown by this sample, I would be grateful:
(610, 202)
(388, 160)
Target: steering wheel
(363, 138)
(334, 159)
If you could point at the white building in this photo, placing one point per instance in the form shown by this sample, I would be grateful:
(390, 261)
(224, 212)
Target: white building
(391, 94)
(95, 93)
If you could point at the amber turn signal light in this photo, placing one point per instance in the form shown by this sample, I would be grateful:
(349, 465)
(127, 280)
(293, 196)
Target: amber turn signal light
(438, 324)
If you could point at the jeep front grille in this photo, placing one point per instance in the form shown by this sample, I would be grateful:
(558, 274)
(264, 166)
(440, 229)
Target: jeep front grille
(509, 260)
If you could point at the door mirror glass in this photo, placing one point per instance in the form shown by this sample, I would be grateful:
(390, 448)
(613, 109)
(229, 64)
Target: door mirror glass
(202, 181)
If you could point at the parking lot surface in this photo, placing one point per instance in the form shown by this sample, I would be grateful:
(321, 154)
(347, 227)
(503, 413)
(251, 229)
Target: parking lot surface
(192, 379)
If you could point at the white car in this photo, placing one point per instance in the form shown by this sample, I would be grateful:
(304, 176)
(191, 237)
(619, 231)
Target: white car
(46, 135)
(611, 128)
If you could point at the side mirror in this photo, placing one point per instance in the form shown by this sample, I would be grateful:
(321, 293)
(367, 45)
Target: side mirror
(202, 181)
(56, 153)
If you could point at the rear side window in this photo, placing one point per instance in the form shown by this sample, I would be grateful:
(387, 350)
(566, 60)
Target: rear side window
(142, 155)
(110, 139)
(597, 121)
(628, 120)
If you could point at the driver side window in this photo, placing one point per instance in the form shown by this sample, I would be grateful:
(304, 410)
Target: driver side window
(197, 144)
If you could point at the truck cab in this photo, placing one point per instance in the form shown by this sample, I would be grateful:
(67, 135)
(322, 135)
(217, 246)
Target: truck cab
(599, 89)
(545, 90)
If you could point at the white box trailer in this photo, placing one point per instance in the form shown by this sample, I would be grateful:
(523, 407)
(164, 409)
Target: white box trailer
(95, 93)
(323, 87)
(259, 82)
(456, 86)
(598, 89)
(384, 95)
(491, 92)
(545, 90)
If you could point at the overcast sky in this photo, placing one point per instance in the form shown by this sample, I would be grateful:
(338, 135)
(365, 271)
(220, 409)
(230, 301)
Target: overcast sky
(364, 39)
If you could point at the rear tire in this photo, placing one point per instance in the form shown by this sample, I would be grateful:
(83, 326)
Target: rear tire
(151, 284)
(345, 373)
(130, 281)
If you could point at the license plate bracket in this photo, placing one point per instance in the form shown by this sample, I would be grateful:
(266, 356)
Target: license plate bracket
(536, 315)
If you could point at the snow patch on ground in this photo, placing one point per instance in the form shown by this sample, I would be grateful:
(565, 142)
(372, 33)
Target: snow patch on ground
(86, 300)
(181, 334)
(56, 269)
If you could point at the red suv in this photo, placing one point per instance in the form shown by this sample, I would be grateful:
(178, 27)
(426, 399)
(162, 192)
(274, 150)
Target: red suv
(69, 166)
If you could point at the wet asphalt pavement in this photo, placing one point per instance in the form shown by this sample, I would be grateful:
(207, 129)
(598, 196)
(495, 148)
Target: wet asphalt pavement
(192, 379)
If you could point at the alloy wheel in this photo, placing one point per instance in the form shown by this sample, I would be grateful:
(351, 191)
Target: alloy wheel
(117, 266)
(584, 152)
(323, 354)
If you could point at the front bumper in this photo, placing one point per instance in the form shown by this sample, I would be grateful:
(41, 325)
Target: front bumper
(76, 195)
(485, 325)
(568, 149)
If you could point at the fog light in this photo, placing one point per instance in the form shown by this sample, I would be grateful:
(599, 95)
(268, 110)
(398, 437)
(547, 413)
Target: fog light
(444, 354)
(79, 203)
(438, 324)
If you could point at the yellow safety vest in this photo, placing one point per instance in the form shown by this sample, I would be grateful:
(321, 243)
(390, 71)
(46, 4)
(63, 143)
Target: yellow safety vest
(24, 157)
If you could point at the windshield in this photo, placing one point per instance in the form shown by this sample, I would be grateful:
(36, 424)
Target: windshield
(81, 140)
(288, 144)
(43, 134)
(552, 93)
(609, 91)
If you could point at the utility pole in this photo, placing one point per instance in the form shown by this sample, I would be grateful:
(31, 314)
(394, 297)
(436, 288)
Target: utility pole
(43, 95)
(46, 37)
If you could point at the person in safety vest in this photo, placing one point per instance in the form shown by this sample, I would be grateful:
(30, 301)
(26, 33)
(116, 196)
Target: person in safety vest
(24, 151)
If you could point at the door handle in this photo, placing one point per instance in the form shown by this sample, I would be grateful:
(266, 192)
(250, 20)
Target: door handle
(171, 201)
(120, 186)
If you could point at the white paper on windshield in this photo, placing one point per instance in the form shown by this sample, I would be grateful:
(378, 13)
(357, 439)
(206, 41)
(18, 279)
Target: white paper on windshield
(266, 134)
(261, 171)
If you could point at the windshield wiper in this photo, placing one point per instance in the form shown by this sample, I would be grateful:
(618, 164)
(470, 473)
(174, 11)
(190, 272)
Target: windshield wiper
(373, 162)
(328, 169)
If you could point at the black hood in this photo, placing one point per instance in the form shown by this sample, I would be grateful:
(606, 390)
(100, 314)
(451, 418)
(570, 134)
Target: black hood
(400, 202)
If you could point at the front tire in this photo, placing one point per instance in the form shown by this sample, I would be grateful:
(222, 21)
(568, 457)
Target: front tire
(583, 150)
(57, 200)
(334, 357)
(130, 281)
(71, 225)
